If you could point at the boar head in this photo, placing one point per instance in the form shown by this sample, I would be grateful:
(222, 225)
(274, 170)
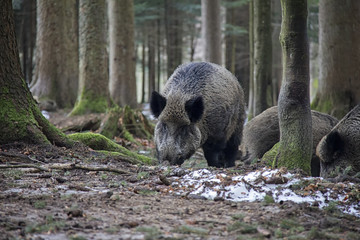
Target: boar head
(177, 135)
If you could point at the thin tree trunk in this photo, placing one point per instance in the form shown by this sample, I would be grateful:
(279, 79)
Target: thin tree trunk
(173, 31)
(276, 50)
(158, 53)
(251, 113)
(237, 47)
(262, 54)
(295, 146)
(122, 81)
(151, 59)
(211, 30)
(143, 67)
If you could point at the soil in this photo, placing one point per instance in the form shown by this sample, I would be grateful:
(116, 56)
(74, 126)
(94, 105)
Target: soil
(62, 201)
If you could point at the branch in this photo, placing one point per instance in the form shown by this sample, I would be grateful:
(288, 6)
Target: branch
(66, 166)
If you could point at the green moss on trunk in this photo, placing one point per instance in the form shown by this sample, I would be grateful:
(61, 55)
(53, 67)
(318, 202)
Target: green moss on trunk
(269, 158)
(90, 103)
(335, 104)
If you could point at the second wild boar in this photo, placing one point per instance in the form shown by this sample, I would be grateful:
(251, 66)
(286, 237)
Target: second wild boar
(263, 132)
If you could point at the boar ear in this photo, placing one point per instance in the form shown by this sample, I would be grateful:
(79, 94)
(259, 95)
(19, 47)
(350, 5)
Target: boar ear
(335, 145)
(157, 103)
(195, 108)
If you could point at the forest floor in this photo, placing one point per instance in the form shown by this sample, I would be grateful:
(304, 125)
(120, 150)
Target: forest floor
(67, 196)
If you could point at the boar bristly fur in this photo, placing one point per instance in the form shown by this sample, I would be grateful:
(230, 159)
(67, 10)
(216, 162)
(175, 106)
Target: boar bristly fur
(339, 149)
(263, 132)
(202, 105)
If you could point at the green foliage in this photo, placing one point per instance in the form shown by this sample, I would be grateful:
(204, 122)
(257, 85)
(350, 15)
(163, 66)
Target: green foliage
(50, 225)
(186, 229)
(243, 228)
(268, 199)
(13, 173)
(39, 204)
(150, 232)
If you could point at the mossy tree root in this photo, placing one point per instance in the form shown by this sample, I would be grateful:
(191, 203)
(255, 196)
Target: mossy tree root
(99, 142)
(126, 123)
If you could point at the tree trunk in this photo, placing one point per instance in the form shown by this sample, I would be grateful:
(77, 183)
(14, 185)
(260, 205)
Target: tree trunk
(262, 54)
(122, 81)
(173, 31)
(295, 149)
(56, 70)
(211, 30)
(143, 68)
(158, 54)
(20, 118)
(151, 58)
(339, 54)
(276, 50)
(251, 113)
(237, 46)
(93, 96)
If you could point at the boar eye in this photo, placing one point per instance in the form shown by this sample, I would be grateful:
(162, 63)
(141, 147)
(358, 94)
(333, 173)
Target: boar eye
(163, 126)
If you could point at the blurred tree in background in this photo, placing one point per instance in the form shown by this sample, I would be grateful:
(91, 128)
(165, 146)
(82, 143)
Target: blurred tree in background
(168, 33)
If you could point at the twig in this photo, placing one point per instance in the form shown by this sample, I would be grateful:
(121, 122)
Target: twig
(66, 166)
(15, 155)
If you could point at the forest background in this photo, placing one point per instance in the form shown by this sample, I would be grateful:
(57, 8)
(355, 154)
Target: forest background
(142, 42)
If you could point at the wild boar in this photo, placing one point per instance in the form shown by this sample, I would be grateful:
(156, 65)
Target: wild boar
(340, 148)
(202, 105)
(262, 132)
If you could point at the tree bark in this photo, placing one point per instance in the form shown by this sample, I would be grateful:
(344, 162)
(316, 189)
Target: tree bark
(262, 54)
(56, 64)
(339, 54)
(237, 46)
(151, 58)
(173, 31)
(251, 113)
(276, 50)
(93, 96)
(211, 30)
(295, 149)
(122, 82)
(20, 118)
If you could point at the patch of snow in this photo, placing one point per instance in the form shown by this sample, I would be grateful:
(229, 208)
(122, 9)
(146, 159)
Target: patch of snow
(45, 114)
(253, 187)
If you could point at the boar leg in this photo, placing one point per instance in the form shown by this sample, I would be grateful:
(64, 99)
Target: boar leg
(231, 150)
(213, 152)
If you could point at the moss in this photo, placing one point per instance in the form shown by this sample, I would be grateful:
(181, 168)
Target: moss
(126, 123)
(335, 104)
(20, 123)
(109, 126)
(269, 158)
(90, 103)
(99, 142)
(290, 156)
